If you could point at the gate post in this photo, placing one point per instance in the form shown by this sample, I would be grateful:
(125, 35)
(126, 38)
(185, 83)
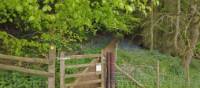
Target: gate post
(110, 69)
(51, 67)
(103, 65)
(62, 71)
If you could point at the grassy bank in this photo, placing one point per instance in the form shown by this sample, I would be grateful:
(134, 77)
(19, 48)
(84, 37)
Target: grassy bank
(141, 64)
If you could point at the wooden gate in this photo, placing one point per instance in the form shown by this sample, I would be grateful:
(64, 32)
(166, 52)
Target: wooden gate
(87, 74)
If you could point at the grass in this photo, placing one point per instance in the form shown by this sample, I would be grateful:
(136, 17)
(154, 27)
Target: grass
(141, 64)
(10, 79)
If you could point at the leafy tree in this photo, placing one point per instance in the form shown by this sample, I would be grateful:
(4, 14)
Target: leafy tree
(31, 25)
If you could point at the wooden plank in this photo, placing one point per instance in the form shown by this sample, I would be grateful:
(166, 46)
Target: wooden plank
(92, 56)
(129, 77)
(62, 72)
(82, 74)
(80, 65)
(24, 59)
(51, 67)
(25, 70)
(85, 83)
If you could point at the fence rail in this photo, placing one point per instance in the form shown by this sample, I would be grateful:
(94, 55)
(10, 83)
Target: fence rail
(25, 70)
(25, 59)
(81, 65)
(93, 56)
(85, 83)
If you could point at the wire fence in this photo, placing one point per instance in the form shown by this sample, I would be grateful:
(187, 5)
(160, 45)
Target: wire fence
(141, 73)
(148, 76)
(123, 82)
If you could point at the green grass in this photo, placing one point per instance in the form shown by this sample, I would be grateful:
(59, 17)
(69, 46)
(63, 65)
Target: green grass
(10, 79)
(141, 64)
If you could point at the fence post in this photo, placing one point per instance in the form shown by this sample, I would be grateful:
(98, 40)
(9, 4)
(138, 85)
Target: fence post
(103, 69)
(51, 67)
(158, 74)
(62, 71)
(112, 63)
(108, 70)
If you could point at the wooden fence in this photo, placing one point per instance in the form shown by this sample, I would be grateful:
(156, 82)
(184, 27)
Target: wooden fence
(50, 61)
(91, 77)
(98, 73)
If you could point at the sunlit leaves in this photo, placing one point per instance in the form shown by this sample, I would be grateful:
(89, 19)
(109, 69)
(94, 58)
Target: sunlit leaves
(31, 18)
(46, 8)
(19, 8)
(129, 8)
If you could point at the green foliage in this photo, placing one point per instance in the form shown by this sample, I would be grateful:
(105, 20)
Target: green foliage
(19, 80)
(28, 27)
(197, 49)
(63, 23)
(16, 46)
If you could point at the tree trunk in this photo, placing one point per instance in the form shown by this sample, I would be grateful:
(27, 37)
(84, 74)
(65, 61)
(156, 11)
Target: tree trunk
(152, 30)
(192, 39)
(190, 50)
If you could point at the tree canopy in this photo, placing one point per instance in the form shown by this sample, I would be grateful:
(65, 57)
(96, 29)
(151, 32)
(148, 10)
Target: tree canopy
(34, 24)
